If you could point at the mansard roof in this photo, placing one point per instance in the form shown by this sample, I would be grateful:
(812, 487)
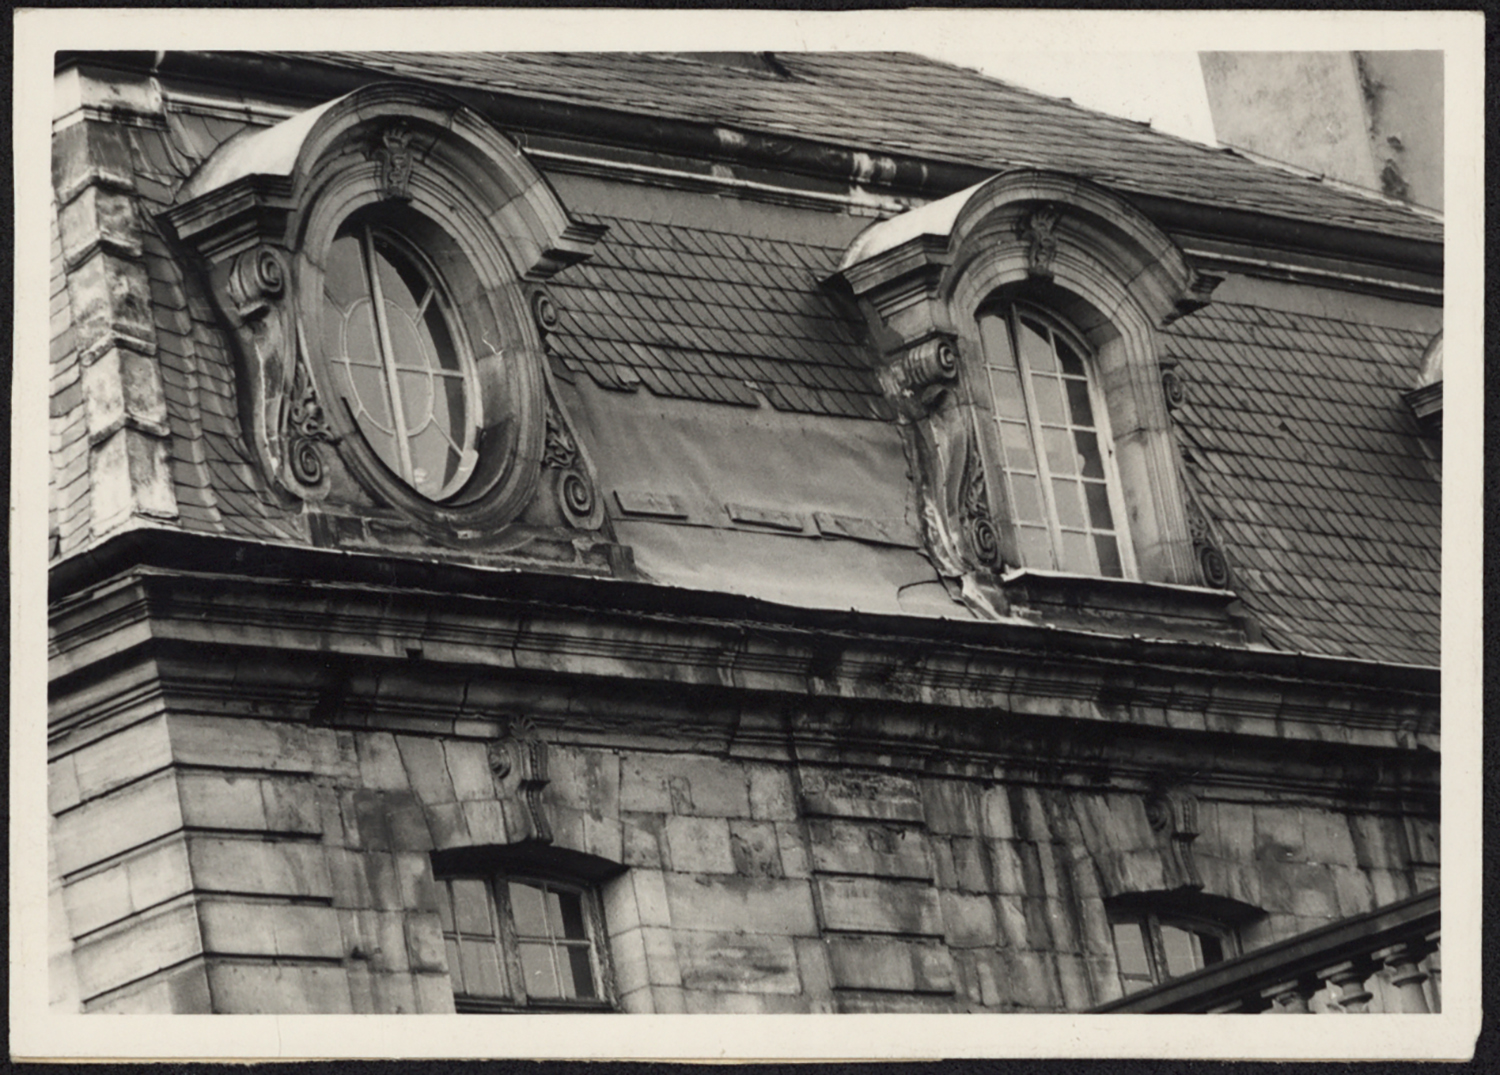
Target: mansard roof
(1295, 432)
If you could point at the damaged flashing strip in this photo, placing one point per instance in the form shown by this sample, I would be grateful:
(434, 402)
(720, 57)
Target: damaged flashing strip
(645, 504)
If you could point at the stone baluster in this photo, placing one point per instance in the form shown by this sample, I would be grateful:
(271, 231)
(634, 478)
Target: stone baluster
(1435, 968)
(1289, 998)
(1403, 970)
(1347, 984)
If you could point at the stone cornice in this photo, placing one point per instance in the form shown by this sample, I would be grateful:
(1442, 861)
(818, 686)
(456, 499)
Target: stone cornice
(600, 630)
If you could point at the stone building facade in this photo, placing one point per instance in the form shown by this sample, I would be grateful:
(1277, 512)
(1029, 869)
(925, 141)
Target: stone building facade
(732, 645)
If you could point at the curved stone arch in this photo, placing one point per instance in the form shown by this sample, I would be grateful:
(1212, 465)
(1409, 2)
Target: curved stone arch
(439, 174)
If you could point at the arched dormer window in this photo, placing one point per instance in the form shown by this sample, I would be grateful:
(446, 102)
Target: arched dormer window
(379, 260)
(1017, 323)
(1056, 452)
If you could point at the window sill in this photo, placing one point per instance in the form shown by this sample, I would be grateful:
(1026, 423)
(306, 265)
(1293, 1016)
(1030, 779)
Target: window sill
(1126, 606)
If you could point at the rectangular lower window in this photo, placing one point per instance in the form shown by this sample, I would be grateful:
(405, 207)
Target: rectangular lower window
(520, 943)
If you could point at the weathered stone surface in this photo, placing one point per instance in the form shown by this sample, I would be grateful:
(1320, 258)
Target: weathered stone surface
(641, 836)
(468, 765)
(868, 905)
(180, 991)
(129, 474)
(969, 920)
(587, 780)
(889, 964)
(241, 743)
(269, 929)
(867, 794)
(426, 769)
(699, 844)
(134, 884)
(111, 301)
(273, 989)
(259, 867)
(128, 817)
(817, 976)
(864, 847)
(137, 947)
(771, 794)
(952, 807)
(791, 838)
(755, 905)
(380, 767)
(752, 844)
(683, 785)
(737, 962)
(126, 755)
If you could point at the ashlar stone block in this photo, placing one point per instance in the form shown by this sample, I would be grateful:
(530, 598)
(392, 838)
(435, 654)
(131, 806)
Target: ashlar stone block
(881, 963)
(753, 904)
(864, 847)
(752, 845)
(861, 794)
(737, 962)
(868, 905)
(684, 785)
(278, 988)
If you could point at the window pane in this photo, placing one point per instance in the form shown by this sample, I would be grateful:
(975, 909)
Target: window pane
(1088, 454)
(1035, 349)
(581, 971)
(1049, 400)
(1109, 556)
(471, 899)
(343, 276)
(1130, 950)
(1077, 553)
(528, 910)
(1017, 441)
(1059, 451)
(481, 963)
(438, 339)
(416, 400)
(1212, 949)
(433, 461)
(1069, 504)
(1026, 496)
(994, 336)
(536, 967)
(400, 283)
(1009, 403)
(1078, 403)
(567, 915)
(455, 966)
(1071, 363)
(1036, 546)
(1178, 946)
(1098, 497)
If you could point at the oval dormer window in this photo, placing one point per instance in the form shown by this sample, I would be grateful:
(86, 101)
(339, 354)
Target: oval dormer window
(399, 360)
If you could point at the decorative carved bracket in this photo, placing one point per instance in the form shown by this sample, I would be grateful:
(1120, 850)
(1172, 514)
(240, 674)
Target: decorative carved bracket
(286, 422)
(920, 372)
(1211, 561)
(518, 762)
(1173, 388)
(1174, 814)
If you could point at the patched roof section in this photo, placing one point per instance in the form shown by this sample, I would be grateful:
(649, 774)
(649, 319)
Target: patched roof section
(908, 105)
(1303, 454)
(714, 316)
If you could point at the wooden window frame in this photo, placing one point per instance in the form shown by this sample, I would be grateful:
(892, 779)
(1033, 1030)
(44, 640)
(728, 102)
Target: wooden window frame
(507, 938)
(1151, 922)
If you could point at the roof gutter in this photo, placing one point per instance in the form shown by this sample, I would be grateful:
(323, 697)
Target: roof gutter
(313, 81)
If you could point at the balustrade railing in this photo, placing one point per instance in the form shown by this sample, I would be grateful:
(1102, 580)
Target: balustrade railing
(1383, 961)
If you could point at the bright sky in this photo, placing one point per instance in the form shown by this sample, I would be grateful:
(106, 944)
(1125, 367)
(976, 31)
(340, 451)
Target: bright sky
(1163, 87)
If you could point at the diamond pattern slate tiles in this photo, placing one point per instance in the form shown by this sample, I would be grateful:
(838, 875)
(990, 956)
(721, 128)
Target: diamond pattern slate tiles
(907, 104)
(1299, 444)
(698, 314)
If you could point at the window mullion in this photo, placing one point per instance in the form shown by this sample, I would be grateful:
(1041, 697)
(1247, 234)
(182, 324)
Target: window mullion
(1038, 444)
(388, 358)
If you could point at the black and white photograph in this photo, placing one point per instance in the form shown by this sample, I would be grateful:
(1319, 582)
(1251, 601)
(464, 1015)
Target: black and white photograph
(907, 531)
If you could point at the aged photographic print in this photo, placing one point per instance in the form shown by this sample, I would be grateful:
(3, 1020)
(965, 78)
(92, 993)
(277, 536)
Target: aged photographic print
(790, 531)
